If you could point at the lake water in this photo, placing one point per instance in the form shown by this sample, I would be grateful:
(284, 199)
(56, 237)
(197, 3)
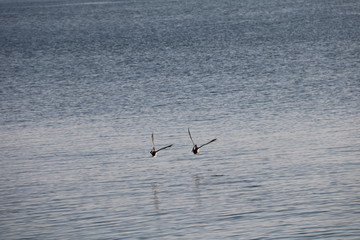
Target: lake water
(84, 83)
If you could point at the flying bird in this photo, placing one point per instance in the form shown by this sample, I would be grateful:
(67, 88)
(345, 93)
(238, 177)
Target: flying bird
(153, 152)
(195, 148)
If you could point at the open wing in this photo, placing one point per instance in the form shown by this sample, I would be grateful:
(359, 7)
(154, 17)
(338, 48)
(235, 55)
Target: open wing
(191, 137)
(152, 139)
(208, 142)
(164, 147)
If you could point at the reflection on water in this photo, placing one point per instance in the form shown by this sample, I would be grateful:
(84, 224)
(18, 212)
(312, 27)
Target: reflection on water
(197, 189)
(155, 191)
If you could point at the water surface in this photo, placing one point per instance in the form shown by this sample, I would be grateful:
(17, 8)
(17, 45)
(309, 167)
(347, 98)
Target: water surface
(85, 83)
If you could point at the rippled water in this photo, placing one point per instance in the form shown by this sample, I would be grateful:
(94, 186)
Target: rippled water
(85, 83)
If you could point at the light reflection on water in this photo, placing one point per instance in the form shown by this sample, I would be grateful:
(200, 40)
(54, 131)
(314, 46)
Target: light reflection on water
(304, 178)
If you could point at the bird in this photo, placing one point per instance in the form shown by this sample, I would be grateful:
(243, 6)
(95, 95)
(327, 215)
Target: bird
(195, 148)
(153, 152)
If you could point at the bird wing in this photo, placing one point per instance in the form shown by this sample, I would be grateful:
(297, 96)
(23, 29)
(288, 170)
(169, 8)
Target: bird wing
(208, 142)
(152, 139)
(191, 137)
(164, 147)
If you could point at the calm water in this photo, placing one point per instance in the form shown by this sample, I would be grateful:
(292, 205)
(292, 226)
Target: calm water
(84, 84)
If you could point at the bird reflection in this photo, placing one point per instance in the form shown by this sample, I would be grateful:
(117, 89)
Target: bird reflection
(155, 191)
(197, 190)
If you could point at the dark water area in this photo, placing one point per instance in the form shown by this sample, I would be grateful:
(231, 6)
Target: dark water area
(85, 83)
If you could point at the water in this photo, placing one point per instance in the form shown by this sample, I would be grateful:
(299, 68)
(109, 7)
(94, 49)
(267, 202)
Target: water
(85, 83)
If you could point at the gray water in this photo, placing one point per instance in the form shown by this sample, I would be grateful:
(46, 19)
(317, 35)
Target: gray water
(84, 83)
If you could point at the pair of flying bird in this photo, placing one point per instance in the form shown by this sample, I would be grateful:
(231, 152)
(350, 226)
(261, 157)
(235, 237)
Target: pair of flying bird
(195, 148)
